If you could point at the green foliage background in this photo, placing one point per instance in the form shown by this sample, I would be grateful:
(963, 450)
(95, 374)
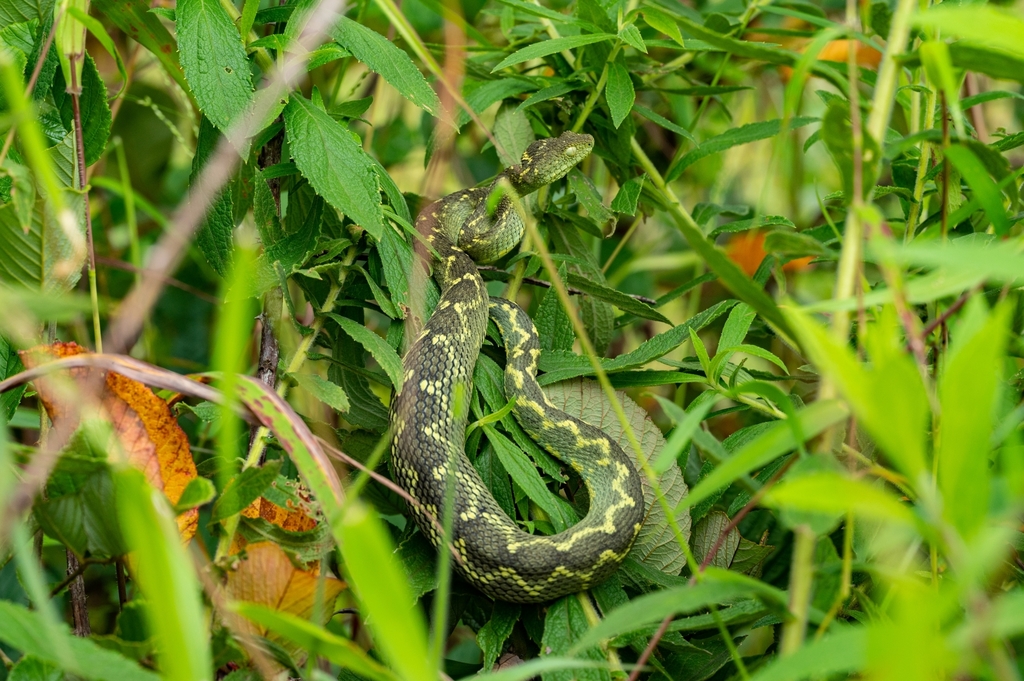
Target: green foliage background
(795, 255)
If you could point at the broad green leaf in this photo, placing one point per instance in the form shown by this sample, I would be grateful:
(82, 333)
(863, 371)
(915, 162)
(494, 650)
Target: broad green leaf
(774, 442)
(619, 93)
(245, 489)
(969, 256)
(25, 630)
(31, 668)
(990, 26)
(380, 586)
(325, 391)
(198, 491)
(969, 390)
(888, 399)
(629, 194)
(552, 321)
(334, 163)
(492, 636)
(656, 545)
(844, 651)
(378, 348)
(215, 236)
(564, 625)
(548, 47)
(745, 134)
(983, 59)
(978, 179)
(165, 575)
(10, 364)
(391, 62)
(318, 641)
(45, 259)
(706, 534)
(213, 58)
(17, 11)
(661, 21)
(827, 492)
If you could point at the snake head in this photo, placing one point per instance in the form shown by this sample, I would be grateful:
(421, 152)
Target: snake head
(548, 160)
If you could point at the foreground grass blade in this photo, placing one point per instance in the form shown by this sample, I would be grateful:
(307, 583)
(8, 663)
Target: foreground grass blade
(165, 575)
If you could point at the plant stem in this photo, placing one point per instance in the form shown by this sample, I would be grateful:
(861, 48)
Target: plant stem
(800, 581)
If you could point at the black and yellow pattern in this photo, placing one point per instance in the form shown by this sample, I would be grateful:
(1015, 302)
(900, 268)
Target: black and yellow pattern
(429, 415)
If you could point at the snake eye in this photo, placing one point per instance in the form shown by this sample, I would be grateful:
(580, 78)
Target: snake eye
(570, 151)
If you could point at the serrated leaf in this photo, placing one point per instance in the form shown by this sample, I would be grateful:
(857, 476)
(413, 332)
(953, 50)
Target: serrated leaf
(245, 489)
(619, 93)
(631, 35)
(378, 348)
(706, 534)
(92, 105)
(629, 194)
(664, 122)
(564, 625)
(325, 391)
(548, 47)
(213, 58)
(215, 236)
(492, 636)
(656, 545)
(385, 58)
(663, 22)
(617, 298)
(335, 165)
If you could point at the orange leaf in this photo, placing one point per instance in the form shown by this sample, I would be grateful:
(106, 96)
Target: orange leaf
(267, 576)
(145, 427)
(746, 249)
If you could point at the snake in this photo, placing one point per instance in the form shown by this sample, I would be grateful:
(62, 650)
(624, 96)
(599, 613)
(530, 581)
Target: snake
(430, 412)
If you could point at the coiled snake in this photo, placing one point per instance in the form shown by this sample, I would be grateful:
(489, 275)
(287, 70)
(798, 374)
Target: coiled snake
(430, 414)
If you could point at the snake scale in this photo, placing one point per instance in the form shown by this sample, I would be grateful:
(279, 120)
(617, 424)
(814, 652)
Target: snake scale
(430, 414)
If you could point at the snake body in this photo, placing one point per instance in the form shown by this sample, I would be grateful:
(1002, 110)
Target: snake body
(430, 413)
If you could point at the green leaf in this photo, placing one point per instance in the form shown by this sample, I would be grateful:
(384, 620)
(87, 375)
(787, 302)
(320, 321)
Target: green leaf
(706, 534)
(826, 492)
(736, 326)
(165, 576)
(213, 58)
(631, 35)
(679, 440)
(661, 21)
(104, 39)
(525, 474)
(378, 348)
(563, 365)
(968, 256)
(842, 652)
(564, 626)
(381, 588)
(837, 132)
(27, 631)
(939, 69)
(629, 194)
(10, 364)
(993, 27)
(715, 588)
(752, 132)
(31, 668)
(316, 640)
(978, 179)
(245, 489)
(617, 298)
(548, 47)
(334, 163)
(752, 223)
(492, 636)
(619, 93)
(991, 62)
(391, 62)
(198, 491)
(969, 390)
(216, 235)
(889, 400)
(775, 441)
(552, 321)
(330, 394)
(133, 17)
(796, 244)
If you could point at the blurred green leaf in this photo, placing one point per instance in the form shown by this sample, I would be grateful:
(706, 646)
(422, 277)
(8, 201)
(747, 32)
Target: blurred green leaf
(381, 588)
(969, 390)
(978, 179)
(198, 492)
(826, 492)
(245, 489)
(840, 652)
(166, 577)
(985, 24)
